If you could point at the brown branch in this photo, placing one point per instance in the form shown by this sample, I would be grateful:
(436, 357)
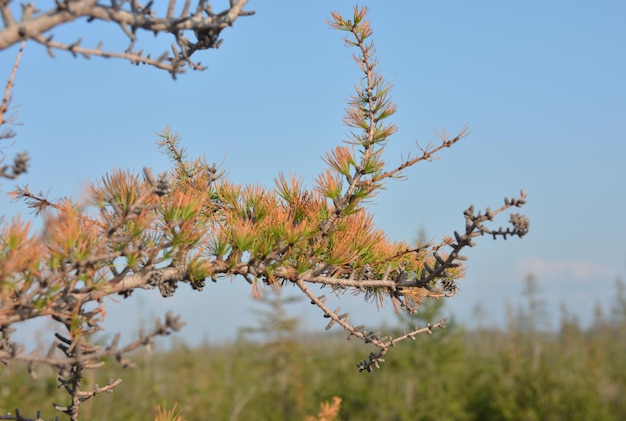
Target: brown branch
(172, 324)
(359, 332)
(205, 27)
(7, 92)
(20, 162)
(427, 155)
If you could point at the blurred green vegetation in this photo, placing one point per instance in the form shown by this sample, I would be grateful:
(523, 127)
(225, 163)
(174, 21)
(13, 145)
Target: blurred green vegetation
(521, 372)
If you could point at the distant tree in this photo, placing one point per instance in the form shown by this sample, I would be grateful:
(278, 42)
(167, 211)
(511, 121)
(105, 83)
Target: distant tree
(194, 224)
(280, 354)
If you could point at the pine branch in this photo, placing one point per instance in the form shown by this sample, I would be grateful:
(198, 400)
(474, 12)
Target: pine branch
(193, 224)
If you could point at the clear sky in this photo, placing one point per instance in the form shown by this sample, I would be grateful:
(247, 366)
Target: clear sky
(541, 85)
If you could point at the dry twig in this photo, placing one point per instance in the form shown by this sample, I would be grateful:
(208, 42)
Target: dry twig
(192, 31)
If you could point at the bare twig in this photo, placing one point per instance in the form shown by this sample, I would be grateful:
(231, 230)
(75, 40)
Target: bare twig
(20, 162)
(6, 99)
(205, 27)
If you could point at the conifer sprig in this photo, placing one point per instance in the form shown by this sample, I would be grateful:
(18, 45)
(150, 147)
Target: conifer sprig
(194, 224)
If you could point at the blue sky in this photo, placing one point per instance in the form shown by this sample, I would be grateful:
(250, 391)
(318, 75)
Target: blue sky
(540, 84)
